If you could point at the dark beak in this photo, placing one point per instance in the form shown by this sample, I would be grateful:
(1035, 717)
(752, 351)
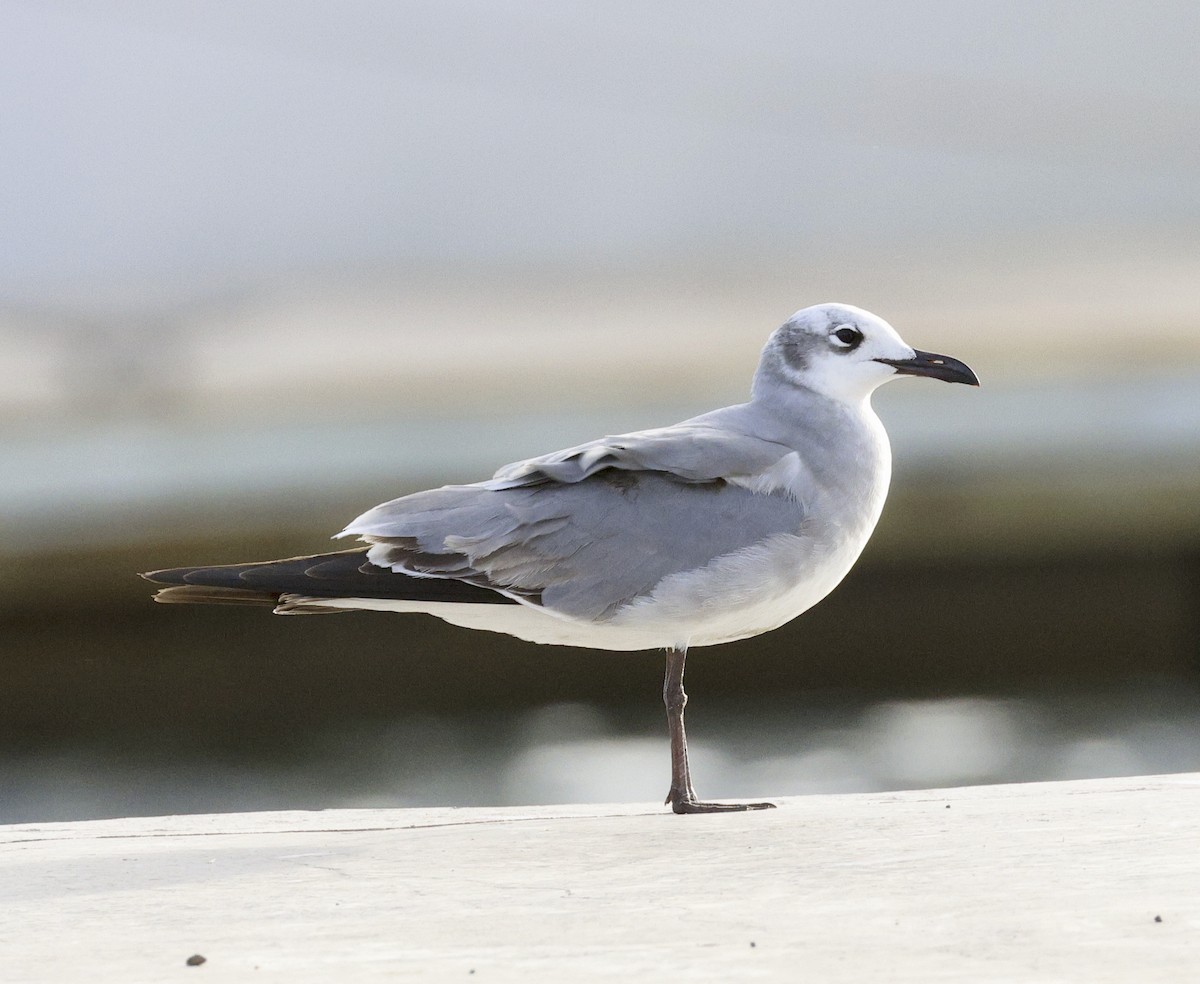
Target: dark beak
(936, 366)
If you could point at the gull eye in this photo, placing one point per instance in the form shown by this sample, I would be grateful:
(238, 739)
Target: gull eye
(847, 337)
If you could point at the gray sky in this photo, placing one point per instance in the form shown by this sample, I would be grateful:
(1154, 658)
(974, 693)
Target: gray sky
(147, 142)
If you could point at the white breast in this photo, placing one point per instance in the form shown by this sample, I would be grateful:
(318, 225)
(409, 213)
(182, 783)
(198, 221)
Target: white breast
(764, 586)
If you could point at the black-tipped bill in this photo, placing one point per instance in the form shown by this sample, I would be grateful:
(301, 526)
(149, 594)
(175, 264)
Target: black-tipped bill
(935, 366)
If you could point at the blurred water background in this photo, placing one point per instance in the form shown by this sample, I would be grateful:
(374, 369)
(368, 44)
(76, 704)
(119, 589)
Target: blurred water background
(264, 265)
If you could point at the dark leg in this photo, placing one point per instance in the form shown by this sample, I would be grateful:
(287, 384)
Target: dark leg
(682, 796)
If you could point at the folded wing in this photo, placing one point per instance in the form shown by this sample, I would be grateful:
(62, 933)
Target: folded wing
(694, 451)
(585, 531)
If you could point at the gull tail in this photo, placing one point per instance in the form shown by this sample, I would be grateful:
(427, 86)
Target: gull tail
(297, 586)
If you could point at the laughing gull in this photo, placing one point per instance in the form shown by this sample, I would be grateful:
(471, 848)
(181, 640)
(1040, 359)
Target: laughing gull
(718, 528)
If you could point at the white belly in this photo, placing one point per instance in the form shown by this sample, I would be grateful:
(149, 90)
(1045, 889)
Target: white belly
(736, 596)
(745, 594)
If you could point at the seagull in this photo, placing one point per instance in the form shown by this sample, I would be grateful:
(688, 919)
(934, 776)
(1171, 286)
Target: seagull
(718, 528)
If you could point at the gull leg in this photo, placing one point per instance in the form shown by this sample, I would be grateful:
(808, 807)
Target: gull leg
(682, 796)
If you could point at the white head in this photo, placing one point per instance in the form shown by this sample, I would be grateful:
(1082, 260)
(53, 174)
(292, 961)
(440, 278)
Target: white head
(846, 353)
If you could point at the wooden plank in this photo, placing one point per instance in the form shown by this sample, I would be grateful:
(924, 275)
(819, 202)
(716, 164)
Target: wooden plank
(1082, 881)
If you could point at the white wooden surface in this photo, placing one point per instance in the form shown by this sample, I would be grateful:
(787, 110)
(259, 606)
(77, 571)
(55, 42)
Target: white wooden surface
(1046, 882)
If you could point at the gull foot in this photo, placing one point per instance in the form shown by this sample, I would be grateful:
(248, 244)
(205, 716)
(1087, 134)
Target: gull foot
(682, 805)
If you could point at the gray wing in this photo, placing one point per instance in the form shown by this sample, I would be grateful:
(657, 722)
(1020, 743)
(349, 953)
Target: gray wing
(584, 548)
(589, 529)
(704, 449)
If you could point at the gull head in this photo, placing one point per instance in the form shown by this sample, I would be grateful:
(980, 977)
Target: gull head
(846, 353)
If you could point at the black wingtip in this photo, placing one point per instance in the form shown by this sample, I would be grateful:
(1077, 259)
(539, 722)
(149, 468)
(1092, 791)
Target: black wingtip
(191, 594)
(343, 574)
(170, 576)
